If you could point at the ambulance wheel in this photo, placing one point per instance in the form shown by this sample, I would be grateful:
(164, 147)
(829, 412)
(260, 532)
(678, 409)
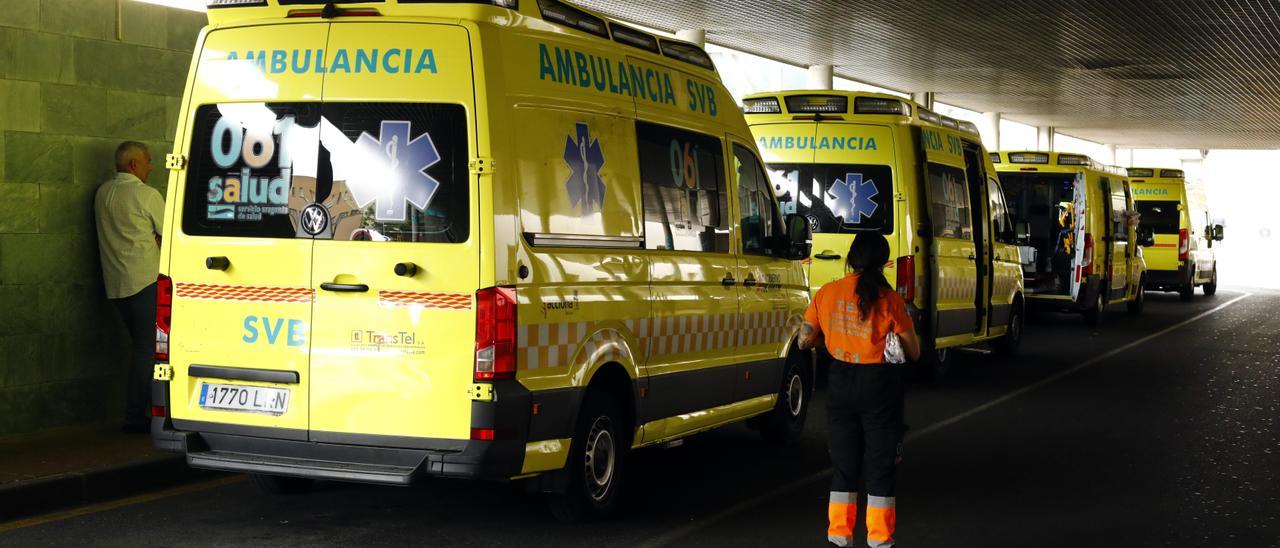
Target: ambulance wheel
(785, 424)
(1212, 287)
(1012, 339)
(281, 485)
(1093, 316)
(1139, 301)
(1186, 292)
(595, 462)
(935, 363)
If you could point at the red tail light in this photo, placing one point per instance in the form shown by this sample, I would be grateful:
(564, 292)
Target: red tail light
(483, 434)
(907, 278)
(164, 313)
(1087, 265)
(1184, 245)
(159, 411)
(495, 333)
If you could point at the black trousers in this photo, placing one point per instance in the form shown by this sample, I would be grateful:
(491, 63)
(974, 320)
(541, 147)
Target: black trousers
(139, 314)
(864, 425)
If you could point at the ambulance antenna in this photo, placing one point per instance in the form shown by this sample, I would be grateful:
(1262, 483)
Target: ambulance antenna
(329, 12)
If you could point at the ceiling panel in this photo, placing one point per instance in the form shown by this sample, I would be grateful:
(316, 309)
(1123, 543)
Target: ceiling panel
(1135, 73)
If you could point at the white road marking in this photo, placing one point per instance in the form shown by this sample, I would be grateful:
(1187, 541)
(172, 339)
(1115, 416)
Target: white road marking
(676, 534)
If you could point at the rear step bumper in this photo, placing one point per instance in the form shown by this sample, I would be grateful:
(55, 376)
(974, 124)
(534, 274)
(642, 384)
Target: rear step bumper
(342, 462)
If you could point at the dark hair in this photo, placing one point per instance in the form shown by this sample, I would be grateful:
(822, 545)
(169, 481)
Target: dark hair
(867, 256)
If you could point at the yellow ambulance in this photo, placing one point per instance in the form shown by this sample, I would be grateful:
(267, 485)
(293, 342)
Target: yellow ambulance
(1182, 257)
(1076, 226)
(852, 162)
(465, 239)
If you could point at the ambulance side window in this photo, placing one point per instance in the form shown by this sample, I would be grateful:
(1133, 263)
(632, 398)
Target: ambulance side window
(761, 223)
(682, 180)
(1119, 230)
(1000, 222)
(949, 209)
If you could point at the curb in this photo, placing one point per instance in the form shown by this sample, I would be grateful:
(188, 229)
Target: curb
(39, 496)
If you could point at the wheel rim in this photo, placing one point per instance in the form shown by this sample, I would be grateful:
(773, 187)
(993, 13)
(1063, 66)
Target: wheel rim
(795, 395)
(1015, 327)
(600, 458)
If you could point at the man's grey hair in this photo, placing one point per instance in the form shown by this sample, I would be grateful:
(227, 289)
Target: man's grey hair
(127, 151)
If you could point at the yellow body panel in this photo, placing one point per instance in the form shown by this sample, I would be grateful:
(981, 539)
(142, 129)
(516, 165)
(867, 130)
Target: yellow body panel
(1162, 258)
(389, 357)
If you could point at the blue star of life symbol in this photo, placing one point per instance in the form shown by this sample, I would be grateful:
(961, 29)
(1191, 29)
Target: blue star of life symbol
(392, 171)
(853, 198)
(585, 186)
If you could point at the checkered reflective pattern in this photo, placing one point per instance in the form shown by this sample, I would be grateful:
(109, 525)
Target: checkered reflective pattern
(956, 288)
(243, 293)
(411, 299)
(564, 344)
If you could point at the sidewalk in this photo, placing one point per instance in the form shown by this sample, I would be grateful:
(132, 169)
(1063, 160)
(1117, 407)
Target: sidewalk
(59, 470)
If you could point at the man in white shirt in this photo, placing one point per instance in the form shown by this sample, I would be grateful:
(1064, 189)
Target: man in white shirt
(130, 218)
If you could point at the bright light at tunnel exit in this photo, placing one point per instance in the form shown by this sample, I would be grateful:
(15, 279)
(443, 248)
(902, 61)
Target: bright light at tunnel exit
(193, 5)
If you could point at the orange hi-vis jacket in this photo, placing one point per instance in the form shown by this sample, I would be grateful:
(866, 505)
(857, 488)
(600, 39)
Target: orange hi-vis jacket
(849, 338)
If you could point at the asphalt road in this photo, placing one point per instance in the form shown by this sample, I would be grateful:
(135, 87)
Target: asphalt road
(1159, 430)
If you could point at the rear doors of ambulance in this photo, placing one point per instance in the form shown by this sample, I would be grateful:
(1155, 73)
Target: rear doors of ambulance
(240, 339)
(396, 259)
(343, 208)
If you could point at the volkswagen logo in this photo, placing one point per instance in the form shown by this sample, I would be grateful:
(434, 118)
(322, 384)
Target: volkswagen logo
(314, 219)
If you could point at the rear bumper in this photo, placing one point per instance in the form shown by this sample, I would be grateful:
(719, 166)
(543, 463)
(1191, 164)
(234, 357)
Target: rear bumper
(1169, 280)
(390, 460)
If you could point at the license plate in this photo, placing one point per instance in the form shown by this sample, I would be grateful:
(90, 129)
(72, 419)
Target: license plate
(252, 399)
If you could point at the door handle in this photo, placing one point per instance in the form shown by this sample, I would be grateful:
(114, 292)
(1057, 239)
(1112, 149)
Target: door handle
(217, 263)
(827, 256)
(344, 288)
(728, 281)
(749, 282)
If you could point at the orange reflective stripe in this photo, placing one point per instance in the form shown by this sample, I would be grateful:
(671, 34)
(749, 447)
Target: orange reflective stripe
(841, 517)
(880, 523)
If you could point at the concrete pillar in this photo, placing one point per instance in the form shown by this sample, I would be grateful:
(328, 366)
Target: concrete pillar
(924, 98)
(1044, 138)
(1112, 158)
(697, 36)
(822, 77)
(990, 130)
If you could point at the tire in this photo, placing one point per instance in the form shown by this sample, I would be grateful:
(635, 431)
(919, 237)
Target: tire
(1211, 288)
(596, 462)
(935, 364)
(1012, 339)
(785, 424)
(1186, 292)
(281, 485)
(1139, 301)
(1093, 316)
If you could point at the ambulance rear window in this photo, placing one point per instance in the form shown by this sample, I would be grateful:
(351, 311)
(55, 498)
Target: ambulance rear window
(389, 172)
(1162, 216)
(836, 198)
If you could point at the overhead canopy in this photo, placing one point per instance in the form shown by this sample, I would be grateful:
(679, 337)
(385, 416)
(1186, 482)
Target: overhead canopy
(1134, 73)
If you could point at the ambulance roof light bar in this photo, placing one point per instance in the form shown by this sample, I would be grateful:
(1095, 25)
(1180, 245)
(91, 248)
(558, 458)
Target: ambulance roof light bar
(880, 105)
(1074, 160)
(968, 126)
(1141, 172)
(929, 116)
(995, 157)
(817, 104)
(1172, 174)
(762, 105)
(1028, 158)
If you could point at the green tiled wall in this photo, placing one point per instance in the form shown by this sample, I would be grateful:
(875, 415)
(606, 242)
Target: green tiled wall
(76, 78)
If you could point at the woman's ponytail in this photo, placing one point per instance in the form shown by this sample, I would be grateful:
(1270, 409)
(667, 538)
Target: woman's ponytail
(867, 256)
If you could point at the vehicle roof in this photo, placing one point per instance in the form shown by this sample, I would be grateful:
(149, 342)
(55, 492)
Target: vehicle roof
(478, 11)
(1053, 162)
(920, 115)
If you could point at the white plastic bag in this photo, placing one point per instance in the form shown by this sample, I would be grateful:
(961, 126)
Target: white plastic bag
(893, 349)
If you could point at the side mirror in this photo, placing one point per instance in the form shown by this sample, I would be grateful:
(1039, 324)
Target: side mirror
(1146, 236)
(1217, 233)
(799, 237)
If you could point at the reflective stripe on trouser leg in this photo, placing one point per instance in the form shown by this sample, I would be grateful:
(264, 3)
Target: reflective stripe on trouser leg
(842, 515)
(881, 517)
